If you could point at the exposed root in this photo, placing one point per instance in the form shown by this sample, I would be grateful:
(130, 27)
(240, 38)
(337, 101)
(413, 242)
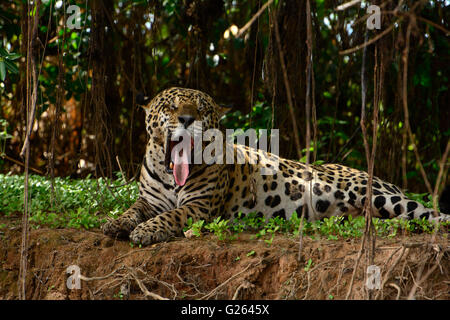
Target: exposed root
(143, 287)
(208, 269)
(216, 289)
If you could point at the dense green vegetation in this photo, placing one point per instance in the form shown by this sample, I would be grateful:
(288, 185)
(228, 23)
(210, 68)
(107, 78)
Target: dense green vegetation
(85, 203)
(73, 203)
(332, 228)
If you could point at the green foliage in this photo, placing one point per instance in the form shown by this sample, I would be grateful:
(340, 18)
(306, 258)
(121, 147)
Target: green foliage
(118, 296)
(333, 228)
(77, 203)
(6, 63)
(219, 227)
(195, 227)
(308, 265)
(260, 117)
(250, 253)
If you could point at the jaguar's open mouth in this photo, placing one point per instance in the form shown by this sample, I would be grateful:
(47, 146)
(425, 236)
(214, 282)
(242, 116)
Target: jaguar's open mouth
(178, 158)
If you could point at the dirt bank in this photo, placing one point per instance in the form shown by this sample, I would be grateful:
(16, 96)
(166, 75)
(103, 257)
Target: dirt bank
(205, 268)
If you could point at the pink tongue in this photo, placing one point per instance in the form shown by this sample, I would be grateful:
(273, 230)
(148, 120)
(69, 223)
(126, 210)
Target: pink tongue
(181, 168)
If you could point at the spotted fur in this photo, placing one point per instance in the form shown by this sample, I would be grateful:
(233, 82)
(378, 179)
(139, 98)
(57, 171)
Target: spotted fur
(316, 191)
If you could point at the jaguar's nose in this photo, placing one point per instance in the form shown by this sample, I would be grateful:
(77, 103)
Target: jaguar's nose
(186, 120)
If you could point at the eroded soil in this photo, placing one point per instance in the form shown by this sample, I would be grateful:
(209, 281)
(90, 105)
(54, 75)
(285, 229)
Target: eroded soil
(205, 268)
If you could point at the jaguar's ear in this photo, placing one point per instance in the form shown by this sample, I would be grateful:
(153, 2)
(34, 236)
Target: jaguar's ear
(142, 100)
(223, 109)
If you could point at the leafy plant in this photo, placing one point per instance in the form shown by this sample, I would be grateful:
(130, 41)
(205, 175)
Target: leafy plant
(195, 227)
(260, 117)
(308, 265)
(251, 253)
(219, 227)
(6, 63)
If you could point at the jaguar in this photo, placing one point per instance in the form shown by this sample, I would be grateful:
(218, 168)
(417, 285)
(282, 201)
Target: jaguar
(173, 190)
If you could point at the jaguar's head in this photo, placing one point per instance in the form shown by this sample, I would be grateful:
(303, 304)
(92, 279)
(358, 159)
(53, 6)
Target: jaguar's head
(173, 118)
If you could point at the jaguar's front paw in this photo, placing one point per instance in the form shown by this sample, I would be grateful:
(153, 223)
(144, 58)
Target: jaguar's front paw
(116, 228)
(145, 235)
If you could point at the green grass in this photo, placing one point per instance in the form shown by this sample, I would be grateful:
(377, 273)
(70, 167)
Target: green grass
(85, 203)
(77, 202)
(333, 228)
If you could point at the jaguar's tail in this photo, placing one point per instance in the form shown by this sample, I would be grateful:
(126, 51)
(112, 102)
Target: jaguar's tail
(416, 210)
